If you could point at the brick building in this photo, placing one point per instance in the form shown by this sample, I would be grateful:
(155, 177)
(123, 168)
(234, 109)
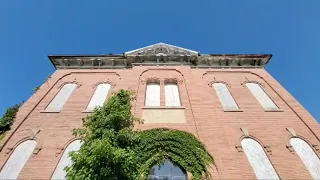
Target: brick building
(249, 123)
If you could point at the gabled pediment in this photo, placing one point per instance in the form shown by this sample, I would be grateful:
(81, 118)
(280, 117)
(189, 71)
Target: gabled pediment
(161, 49)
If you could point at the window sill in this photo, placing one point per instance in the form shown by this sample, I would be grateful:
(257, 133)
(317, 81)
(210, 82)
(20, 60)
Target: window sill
(233, 110)
(163, 107)
(87, 111)
(274, 110)
(50, 111)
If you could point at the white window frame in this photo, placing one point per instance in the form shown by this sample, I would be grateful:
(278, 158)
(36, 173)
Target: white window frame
(262, 165)
(55, 105)
(65, 160)
(16, 161)
(225, 97)
(307, 155)
(156, 101)
(265, 100)
(172, 99)
(99, 96)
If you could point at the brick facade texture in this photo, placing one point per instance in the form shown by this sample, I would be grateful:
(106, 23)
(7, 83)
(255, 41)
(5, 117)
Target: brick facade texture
(204, 117)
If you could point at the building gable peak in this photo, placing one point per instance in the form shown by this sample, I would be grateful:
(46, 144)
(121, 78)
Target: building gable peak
(161, 49)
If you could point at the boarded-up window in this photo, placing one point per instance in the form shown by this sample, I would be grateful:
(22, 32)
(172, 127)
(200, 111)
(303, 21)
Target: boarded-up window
(225, 96)
(172, 96)
(61, 98)
(261, 96)
(17, 160)
(65, 160)
(258, 159)
(153, 94)
(307, 156)
(99, 96)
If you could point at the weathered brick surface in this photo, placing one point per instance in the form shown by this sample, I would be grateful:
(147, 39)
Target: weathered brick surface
(205, 118)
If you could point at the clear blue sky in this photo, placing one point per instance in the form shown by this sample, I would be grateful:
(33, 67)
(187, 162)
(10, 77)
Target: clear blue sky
(32, 29)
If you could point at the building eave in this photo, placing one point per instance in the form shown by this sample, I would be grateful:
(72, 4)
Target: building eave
(124, 62)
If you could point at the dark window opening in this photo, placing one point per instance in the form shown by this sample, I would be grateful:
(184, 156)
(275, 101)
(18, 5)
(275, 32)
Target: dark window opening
(167, 171)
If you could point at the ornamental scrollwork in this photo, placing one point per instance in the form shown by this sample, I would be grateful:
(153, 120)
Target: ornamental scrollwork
(151, 80)
(69, 82)
(173, 80)
(210, 84)
(104, 82)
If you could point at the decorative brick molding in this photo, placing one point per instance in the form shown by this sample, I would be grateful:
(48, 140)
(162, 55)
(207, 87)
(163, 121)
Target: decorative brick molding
(245, 134)
(60, 148)
(151, 80)
(210, 84)
(293, 134)
(69, 82)
(239, 149)
(38, 147)
(31, 136)
(173, 80)
(243, 83)
(104, 82)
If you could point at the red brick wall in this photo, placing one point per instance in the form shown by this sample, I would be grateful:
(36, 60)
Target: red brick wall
(205, 118)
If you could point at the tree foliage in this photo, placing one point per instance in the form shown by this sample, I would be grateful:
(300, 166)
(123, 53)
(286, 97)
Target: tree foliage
(113, 150)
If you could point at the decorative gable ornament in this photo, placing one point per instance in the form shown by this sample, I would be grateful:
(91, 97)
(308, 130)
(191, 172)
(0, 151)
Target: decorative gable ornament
(161, 49)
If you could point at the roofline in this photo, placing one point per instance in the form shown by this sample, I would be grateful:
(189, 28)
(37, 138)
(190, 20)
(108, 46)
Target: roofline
(267, 57)
(122, 55)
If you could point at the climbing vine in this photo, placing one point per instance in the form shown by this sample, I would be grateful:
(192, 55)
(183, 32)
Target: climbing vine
(8, 118)
(112, 149)
(180, 147)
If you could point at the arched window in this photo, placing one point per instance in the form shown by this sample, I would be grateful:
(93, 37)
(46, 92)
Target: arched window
(153, 94)
(258, 159)
(262, 97)
(167, 171)
(99, 96)
(225, 97)
(172, 96)
(307, 156)
(17, 160)
(65, 160)
(61, 98)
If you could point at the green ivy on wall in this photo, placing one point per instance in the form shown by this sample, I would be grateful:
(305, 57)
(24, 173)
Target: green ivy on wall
(180, 147)
(7, 119)
(112, 149)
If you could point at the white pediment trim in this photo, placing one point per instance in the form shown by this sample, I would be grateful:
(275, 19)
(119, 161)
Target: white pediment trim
(161, 49)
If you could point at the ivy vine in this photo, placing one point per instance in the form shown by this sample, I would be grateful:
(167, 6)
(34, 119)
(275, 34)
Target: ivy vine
(182, 148)
(112, 149)
(8, 118)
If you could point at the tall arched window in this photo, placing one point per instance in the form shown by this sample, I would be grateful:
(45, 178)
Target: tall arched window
(61, 98)
(17, 160)
(258, 159)
(65, 160)
(172, 96)
(167, 171)
(99, 96)
(225, 97)
(153, 94)
(261, 96)
(307, 156)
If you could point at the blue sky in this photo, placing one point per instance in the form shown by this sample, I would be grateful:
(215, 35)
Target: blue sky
(32, 30)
